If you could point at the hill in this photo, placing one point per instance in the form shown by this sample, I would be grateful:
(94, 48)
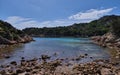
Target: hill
(112, 38)
(11, 35)
(94, 28)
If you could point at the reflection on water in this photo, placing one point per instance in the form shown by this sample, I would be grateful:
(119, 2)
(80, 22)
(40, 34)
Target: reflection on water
(9, 50)
(64, 47)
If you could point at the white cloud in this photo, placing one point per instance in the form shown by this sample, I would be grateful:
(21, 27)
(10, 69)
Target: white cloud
(89, 15)
(20, 22)
(14, 19)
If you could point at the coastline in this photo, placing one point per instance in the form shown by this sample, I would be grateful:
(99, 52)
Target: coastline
(112, 45)
(43, 65)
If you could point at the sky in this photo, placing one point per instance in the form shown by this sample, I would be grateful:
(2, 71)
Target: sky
(54, 13)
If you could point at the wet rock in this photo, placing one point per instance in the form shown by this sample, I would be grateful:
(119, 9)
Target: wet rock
(45, 57)
(23, 63)
(56, 63)
(91, 57)
(7, 56)
(61, 67)
(34, 72)
(86, 54)
(82, 56)
(18, 71)
(78, 58)
(55, 54)
(36, 67)
(22, 58)
(28, 70)
(13, 63)
(27, 74)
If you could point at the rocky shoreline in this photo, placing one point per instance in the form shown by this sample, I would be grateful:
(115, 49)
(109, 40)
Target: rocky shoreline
(45, 66)
(9, 35)
(4, 43)
(110, 41)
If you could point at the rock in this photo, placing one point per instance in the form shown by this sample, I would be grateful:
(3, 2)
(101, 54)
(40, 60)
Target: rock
(13, 63)
(117, 57)
(27, 74)
(7, 56)
(23, 63)
(86, 54)
(22, 58)
(56, 63)
(18, 71)
(106, 71)
(82, 56)
(28, 69)
(91, 57)
(78, 58)
(25, 39)
(55, 54)
(6, 41)
(44, 57)
(61, 67)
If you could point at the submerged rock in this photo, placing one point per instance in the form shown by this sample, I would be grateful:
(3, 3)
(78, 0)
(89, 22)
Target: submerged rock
(7, 56)
(45, 57)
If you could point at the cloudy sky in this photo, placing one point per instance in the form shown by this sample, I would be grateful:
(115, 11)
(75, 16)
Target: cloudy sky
(52, 13)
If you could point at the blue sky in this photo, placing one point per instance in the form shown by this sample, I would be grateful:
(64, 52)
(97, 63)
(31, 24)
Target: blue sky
(52, 13)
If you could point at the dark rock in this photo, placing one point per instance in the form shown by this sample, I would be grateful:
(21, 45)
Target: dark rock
(78, 58)
(28, 70)
(44, 57)
(91, 57)
(7, 56)
(86, 54)
(19, 71)
(13, 63)
(22, 58)
(34, 72)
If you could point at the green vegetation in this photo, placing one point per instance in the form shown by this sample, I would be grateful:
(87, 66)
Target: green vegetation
(9, 34)
(94, 28)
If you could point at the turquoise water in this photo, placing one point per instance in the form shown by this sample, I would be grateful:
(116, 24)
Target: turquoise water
(64, 47)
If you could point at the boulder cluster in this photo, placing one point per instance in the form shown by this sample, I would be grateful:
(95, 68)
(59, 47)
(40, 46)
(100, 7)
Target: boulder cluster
(45, 66)
(110, 41)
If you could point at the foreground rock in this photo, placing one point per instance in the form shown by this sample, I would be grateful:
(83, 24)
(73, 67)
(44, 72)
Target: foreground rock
(59, 67)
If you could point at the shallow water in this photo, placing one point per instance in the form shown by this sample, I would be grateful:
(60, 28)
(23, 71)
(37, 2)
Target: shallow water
(63, 47)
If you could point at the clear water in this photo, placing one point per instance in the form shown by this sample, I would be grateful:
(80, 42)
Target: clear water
(64, 47)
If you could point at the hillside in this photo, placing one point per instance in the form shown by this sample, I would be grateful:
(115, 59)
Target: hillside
(112, 38)
(11, 35)
(94, 28)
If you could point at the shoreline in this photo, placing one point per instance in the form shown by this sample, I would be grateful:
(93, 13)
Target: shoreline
(45, 66)
(112, 46)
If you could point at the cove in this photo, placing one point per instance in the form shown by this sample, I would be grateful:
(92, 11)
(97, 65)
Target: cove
(63, 47)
